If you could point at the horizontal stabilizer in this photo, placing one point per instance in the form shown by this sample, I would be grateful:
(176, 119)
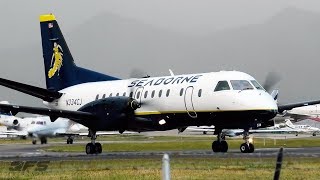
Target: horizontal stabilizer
(44, 94)
(76, 116)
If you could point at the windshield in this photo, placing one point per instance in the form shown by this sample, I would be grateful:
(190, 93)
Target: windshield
(241, 85)
(256, 84)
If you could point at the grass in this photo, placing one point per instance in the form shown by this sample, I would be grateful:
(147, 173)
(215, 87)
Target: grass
(161, 143)
(181, 168)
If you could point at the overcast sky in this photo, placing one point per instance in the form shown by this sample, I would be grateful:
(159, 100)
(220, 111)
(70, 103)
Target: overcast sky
(189, 18)
(196, 17)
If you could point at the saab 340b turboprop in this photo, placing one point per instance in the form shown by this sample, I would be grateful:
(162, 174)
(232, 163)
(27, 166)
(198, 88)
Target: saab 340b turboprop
(225, 99)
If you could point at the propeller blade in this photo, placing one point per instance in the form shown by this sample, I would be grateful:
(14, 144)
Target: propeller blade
(271, 80)
(138, 73)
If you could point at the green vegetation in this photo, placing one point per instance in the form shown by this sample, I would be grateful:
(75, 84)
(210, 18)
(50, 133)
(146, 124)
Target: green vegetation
(181, 168)
(160, 143)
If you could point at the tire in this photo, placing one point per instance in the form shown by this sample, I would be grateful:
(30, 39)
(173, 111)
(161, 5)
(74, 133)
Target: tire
(216, 146)
(224, 146)
(244, 148)
(71, 141)
(251, 148)
(90, 148)
(98, 148)
(34, 141)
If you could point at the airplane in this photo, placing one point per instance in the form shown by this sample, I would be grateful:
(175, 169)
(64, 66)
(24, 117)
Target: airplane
(306, 112)
(106, 103)
(40, 127)
(286, 127)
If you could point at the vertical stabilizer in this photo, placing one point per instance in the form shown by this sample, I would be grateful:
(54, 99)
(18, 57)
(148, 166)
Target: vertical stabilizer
(60, 69)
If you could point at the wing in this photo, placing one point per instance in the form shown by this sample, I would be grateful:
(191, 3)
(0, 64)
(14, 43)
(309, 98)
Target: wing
(102, 133)
(284, 107)
(14, 133)
(297, 117)
(197, 129)
(76, 116)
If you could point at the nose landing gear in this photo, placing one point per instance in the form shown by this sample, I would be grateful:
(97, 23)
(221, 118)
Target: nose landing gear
(246, 147)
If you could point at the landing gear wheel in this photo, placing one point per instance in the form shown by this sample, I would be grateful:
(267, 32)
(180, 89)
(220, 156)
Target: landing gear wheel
(251, 148)
(34, 141)
(247, 148)
(69, 141)
(215, 146)
(244, 148)
(219, 146)
(224, 146)
(43, 140)
(90, 148)
(98, 148)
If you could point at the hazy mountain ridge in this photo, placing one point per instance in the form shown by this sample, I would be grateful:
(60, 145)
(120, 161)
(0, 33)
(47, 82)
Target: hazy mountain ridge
(288, 43)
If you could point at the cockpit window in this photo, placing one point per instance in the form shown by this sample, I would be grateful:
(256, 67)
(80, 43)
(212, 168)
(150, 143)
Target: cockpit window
(256, 84)
(40, 122)
(240, 85)
(222, 85)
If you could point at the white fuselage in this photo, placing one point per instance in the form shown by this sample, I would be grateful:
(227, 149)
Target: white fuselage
(187, 93)
(312, 110)
(37, 126)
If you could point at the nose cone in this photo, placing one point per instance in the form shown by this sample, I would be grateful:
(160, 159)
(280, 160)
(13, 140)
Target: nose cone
(257, 100)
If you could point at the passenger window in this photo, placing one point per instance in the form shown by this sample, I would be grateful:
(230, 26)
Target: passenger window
(138, 95)
(117, 94)
(110, 95)
(131, 94)
(240, 85)
(199, 92)
(146, 94)
(152, 94)
(181, 91)
(104, 96)
(97, 97)
(168, 92)
(222, 85)
(160, 93)
(124, 94)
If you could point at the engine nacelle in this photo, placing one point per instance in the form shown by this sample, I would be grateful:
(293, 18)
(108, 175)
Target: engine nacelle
(113, 113)
(15, 123)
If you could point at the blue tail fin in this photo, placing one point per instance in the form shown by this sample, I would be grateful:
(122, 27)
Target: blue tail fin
(60, 69)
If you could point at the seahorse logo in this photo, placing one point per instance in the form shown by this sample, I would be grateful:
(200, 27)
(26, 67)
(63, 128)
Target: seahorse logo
(57, 56)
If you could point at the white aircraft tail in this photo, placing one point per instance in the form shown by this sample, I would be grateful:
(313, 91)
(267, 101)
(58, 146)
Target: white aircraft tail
(289, 123)
(3, 112)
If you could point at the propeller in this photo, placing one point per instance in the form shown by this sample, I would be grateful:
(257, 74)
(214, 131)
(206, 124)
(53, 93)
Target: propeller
(272, 79)
(138, 73)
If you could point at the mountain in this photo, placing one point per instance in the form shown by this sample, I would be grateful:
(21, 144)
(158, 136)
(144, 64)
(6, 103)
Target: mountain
(287, 43)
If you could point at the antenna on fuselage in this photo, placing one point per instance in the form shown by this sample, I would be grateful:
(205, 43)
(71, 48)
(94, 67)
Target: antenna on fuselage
(171, 72)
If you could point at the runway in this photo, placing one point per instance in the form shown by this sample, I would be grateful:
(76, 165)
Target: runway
(26, 152)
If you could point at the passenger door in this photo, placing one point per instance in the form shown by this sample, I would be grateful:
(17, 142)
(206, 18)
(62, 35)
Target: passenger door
(188, 95)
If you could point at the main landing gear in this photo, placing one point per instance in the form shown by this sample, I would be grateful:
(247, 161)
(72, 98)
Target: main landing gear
(43, 140)
(220, 145)
(246, 147)
(93, 147)
(70, 140)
